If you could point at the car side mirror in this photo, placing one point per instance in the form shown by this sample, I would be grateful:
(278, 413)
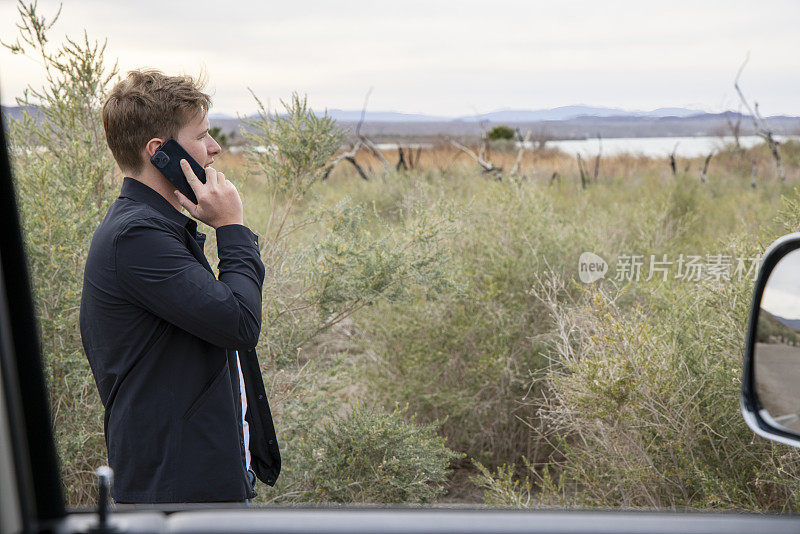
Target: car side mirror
(771, 379)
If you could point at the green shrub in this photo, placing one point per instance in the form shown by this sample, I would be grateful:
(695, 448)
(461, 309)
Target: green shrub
(502, 487)
(489, 363)
(326, 262)
(642, 404)
(219, 136)
(466, 357)
(367, 456)
(501, 132)
(65, 181)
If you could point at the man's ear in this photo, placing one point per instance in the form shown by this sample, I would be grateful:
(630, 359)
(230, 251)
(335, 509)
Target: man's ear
(152, 146)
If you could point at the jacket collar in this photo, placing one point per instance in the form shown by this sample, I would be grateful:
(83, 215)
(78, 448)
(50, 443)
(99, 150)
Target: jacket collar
(136, 190)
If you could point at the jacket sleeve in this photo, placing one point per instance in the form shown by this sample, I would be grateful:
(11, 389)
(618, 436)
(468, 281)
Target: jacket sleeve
(156, 270)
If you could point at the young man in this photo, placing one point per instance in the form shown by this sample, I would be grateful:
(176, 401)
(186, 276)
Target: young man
(171, 346)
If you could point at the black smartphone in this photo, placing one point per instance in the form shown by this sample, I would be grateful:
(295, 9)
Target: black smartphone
(167, 159)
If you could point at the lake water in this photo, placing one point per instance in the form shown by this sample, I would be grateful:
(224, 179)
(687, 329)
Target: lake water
(658, 147)
(654, 147)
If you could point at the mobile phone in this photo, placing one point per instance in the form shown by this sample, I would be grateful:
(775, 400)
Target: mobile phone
(167, 159)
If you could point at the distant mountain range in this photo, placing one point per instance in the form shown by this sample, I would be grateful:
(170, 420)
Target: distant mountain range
(574, 112)
(567, 122)
(794, 324)
(14, 112)
(503, 116)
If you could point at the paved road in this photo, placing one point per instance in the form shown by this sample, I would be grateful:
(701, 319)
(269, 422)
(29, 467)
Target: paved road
(777, 376)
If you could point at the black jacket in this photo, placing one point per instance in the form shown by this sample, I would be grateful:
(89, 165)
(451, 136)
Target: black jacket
(161, 334)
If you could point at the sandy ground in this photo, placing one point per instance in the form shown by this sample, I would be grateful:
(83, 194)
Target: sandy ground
(777, 376)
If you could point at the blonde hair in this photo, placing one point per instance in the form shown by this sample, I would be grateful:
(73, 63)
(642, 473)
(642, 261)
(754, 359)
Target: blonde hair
(149, 104)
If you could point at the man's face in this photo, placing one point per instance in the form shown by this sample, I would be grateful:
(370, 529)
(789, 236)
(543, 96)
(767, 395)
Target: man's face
(196, 140)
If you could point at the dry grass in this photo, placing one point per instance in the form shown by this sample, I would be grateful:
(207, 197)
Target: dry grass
(483, 343)
(539, 165)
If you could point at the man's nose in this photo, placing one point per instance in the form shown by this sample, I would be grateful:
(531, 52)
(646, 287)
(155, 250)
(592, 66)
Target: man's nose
(214, 148)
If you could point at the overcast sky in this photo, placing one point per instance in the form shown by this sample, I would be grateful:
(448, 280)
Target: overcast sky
(447, 58)
(782, 292)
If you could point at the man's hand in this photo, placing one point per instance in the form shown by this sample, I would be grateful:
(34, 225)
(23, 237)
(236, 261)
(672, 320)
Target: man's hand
(218, 201)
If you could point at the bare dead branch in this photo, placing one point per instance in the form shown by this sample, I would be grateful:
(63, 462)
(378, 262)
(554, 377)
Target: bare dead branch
(348, 156)
(597, 158)
(415, 159)
(484, 146)
(488, 166)
(541, 138)
(401, 162)
(735, 128)
(705, 167)
(672, 162)
(761, 126)
(361, 142)
(741, 95)
(584, 175)
(363, 113)
(352, 159)
(523, 146)
(774, 147)
(370, 146)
